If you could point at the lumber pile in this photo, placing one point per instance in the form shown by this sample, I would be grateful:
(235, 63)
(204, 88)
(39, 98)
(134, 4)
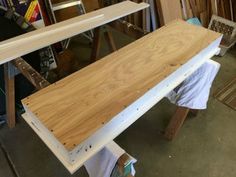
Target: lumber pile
(197, 8)
(203, 9)
(160, 13)
(227, 9)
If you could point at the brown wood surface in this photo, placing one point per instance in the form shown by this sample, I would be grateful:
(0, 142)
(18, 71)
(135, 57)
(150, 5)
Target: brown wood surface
(30, 73)
(169, 10)
(96, 46)
(176, 122)
(110, 41)
(10, 97)
(77, 106)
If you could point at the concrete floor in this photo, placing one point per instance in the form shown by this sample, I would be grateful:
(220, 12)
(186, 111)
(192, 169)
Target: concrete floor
(205, 146)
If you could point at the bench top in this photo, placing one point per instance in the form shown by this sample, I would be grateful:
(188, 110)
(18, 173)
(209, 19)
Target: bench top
(77, 106)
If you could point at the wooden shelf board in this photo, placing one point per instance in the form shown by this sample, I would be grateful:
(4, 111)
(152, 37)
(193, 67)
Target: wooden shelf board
(29, 42)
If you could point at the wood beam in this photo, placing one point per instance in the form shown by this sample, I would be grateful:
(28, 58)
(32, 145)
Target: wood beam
(97, 42)
(48, 35)
(96, 45)
(30, 73)
(110, 41)
(176, 122)
(10, 96)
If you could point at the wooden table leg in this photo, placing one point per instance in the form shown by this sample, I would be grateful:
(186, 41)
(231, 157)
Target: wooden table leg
(10, 96)
(176, 122)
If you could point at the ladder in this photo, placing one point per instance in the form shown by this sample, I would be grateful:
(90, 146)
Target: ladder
(64, 5)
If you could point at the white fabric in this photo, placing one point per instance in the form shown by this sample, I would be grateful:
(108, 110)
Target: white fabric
(194, 91)
(133, 161)
(102, 163)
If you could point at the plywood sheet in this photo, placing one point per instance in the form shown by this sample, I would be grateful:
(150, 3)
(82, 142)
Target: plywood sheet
(169, 10)
(76, 107)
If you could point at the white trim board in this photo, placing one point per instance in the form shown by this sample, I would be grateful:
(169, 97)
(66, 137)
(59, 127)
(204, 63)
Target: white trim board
(29, 42)
(76, 158)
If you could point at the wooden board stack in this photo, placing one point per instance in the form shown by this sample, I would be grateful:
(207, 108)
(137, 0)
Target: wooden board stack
(197, 8)
(80, 114)
(203, 9)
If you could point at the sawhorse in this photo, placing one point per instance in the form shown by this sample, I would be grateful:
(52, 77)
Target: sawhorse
(177, 121)
(11, 69)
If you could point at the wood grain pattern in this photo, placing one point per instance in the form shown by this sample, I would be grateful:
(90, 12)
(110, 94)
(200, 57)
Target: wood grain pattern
(77, 106)
(42, 37)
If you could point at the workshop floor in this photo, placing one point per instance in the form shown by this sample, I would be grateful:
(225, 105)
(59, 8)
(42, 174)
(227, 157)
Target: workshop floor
(205, 146)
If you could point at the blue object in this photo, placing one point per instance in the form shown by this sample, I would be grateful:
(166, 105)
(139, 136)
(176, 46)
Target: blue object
(194, 21)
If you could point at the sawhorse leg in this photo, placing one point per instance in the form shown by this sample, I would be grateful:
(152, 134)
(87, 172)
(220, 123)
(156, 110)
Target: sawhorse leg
(97, 43)
(11, 69)
(177, 121)
(110, 41)
(10, 95)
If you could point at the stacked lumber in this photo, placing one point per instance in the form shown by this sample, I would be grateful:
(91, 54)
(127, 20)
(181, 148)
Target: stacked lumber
(197, 8)
(226, 9)
(203, 9)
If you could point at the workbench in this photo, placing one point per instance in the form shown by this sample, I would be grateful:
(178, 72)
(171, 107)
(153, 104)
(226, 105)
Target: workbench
(89, 108)
(78, 115)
